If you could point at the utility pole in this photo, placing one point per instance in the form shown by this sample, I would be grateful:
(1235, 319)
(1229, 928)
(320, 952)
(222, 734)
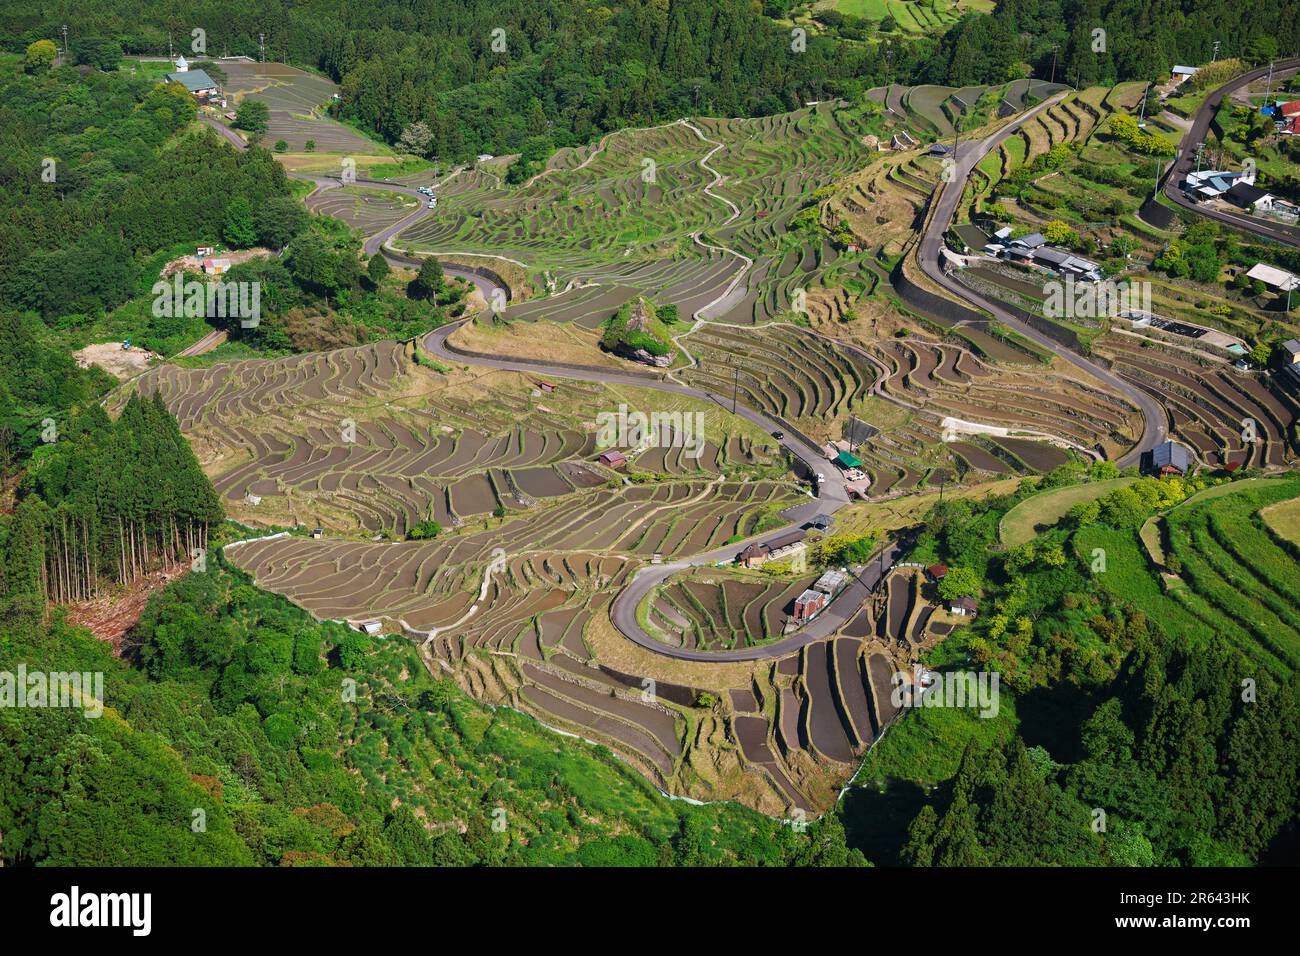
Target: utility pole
(1215, 55)
(261, 47)
(1268, 93)
(1054, 49)
(735, 387)
(64, 31)
(1142, 118)
(1199, 147)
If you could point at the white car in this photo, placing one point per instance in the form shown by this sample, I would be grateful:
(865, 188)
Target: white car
(433, 203)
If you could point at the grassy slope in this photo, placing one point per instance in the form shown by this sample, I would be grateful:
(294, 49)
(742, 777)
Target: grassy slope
(1047, 508)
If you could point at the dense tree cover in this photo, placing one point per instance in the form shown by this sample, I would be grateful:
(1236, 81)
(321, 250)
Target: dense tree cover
(1141, 41)
(108, 502)
(636, 326)
(132, 185)
(1183, 753)
(1044, 619)
(1183, 763)
(39, 380)
(559, 72)
(98, 174)
(500, 76)
(305, 743)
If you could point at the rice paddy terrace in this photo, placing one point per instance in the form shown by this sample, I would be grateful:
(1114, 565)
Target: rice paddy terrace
(296, 100)
(1031, 416)
(1226, 417)
(625, 216)
(1216, 569)
(365, 440)
(512, 597)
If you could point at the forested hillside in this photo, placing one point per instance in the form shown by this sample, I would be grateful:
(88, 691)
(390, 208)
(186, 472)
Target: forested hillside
(108, 502)
(105, 178)
(491, 75)
(244, 733)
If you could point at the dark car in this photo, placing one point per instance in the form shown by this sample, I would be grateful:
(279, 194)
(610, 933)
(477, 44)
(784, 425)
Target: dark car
(778, 435)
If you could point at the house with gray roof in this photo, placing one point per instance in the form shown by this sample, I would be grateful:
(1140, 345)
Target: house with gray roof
(197, 82)
(1170, 458)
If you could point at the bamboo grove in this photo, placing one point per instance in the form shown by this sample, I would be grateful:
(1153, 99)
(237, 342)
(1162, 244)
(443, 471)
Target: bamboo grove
(108, 502)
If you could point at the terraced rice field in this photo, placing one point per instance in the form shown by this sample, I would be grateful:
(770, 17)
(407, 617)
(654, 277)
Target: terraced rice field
(952, 381)
(607, 234)
(1234, 579)
(296, 100)
(369, 209)
(711, 610)
(785, 371)
(1207, 405)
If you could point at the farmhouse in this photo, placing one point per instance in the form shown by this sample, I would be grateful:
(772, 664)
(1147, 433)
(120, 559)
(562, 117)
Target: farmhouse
(1247, 196)
(1066, 263)
(788, 547)
(1170, 458)
(1033, 249)
(964, 607)
(1213, 183)
(1023, 247)
(197, 82)
(831, 582)
(809, 604)
(937, 572)
(1181, 74)
(613, 458)
(1291, 357)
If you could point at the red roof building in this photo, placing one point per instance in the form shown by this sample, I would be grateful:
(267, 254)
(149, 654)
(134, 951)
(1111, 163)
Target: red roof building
(613, 458)
(937, 571)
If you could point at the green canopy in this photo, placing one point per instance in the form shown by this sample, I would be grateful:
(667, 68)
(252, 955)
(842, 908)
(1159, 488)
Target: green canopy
(848, 460)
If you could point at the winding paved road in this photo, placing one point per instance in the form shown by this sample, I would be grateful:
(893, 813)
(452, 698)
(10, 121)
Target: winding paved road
(834, 495)
(833, 492)
(1186, 158)
(376, 242)
(969, 155)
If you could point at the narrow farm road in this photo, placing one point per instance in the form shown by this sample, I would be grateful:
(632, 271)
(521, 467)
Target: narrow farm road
(1195, 135)
(930, 252)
